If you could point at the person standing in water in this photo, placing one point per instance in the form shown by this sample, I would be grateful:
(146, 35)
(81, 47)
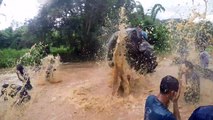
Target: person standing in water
(204, 59)
(192, 82)
(156, 107)
(23, 76)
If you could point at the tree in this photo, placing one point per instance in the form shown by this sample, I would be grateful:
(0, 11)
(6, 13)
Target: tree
(157, 8)
(76, 23)
(140, 10)
(135, 18)
(157, 32)
(6, 37)
(140, 17)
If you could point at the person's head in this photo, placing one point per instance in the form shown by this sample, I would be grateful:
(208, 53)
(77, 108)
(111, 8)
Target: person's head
(202, 49)
(168, 86)
(187, 66)
(134, 33)
(20, 68)
(139, 27)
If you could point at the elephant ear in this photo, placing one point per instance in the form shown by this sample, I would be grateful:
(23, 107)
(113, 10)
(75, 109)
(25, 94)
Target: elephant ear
(141, 57)
(143, 62)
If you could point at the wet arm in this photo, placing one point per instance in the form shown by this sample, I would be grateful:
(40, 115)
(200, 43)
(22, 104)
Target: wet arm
(19, 77)
(175, 102)
(176, 110)
(182, 76)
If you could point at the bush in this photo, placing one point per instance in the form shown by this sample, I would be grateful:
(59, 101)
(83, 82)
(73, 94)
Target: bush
(9, 57)
(209, 49)
(59, 50)
(159, 36)
(162, 39)
(34, 55)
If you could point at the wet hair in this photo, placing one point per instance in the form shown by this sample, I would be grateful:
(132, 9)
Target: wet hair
(20, 68)
(189, 65)
(140, 26)
(134, 32)
(169, 83)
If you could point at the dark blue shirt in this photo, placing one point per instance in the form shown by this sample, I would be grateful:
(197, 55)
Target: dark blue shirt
(202, 113)
(155, 110)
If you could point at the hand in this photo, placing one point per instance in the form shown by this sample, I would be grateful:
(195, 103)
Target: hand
(177, 94)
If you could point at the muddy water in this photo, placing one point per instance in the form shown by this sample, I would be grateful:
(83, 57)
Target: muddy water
(84, 93)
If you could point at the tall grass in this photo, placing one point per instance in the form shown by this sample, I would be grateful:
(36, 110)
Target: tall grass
(9, 57)
(60, 50)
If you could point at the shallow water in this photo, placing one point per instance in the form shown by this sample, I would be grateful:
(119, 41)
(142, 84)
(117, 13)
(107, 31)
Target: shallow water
(84, 92)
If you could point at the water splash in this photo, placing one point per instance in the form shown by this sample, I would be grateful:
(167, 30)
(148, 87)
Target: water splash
(184, 34)
(190, 37)
(37, 66)
(48, 68)
(124, 78)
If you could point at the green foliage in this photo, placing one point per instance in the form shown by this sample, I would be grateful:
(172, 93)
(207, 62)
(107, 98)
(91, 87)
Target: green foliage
(15, 39)
(138, 17)
(161, 38)
(157, 8)
(60, 50)
(77, 24)
(158, 34)
(209, 49)
(9, 57)
(34, 55)
(6, 37)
